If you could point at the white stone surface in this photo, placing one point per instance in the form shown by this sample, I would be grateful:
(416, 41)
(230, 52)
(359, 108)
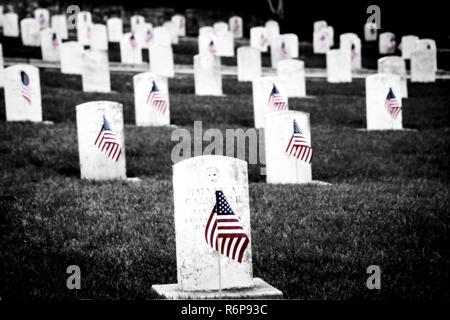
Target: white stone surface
(204, 41)
(259, 39)
(1, 15)
(261, 90)
(161, 60)
(84, 27)
(99, 37)
(59, 24)
(173, 31)
(321, 41)
(430, 45)
(220, 26)
(236, 26)
(95, 71)
(248, 64)
(42, 16)
(205, 30)
(2, 72)
(280, 166)
(224, 44)
(377, 89)
(273, 30)
(408, 45)
(330, 31)
(291, 41)
(94, 164)
(387, 43)
(370, 31)
(144, 34)
(292, 73)
(207, 76)
(50, 45)
(135, 21)
(19, 108)
(147, 115)
(71, 57)
(339, 66)
(423, 66)
(351, 43)
(129, 53)
(11, 25)
(115, 29)
(319, 25)
(395, 65)
(278, 51)
(195, 181)
(30, 32)
(161, 36)
(180, 23)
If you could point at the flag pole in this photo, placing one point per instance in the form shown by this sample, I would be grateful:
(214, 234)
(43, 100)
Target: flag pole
(220, 275)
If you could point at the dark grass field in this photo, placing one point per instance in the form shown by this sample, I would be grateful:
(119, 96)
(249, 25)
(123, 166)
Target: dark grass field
(388, 204)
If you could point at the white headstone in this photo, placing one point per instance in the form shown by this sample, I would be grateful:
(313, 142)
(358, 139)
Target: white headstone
(173, 31)
(2, 72)
(291, 42)
(84, 27)
(145, 34)
(339, 66)
(180, 23)
(259, 39)
(370, 31)
(95, 164)
(319, 25)
(408, 45)
(377, 90)
(42, 16)
(161, 36)
(207, 43)
(95, 71)
(423, 66)
(430, 45)
(330, 31)
(22, 93)
(1, 16)
(149, 113)
(10, 25)
(224, 44)
(50, 45)
(205, 30)
(115, 29)
(292, 73)
(207, 76)
(248, 64)
(351, 43)
(278, 51)
(220, 26)
(195, 182)
(30, 32)
(387, 43)
(130, 49)
(261, 90)
(273, 30)
(236, 26)
(99, 37)
(71, 57)
(395, 65)
(321, 41)
(59, 24)
(285, 164)
(135, 21)
(161, 60)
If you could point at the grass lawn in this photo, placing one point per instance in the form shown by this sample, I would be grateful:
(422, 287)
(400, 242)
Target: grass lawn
(388, 204)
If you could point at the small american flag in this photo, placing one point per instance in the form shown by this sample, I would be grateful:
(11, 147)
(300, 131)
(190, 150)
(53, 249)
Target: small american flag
(392, 44)
(284, 52)
(156, 99)
(354, 52)
(41, 19)
(276, 101)
(298, 146)
(262, 40)
(148, 36)
(133, 41)
(392, 104)
(107, 142)
(322, 41)
(55, 41)
(224, 231)
(26, 89)
(212, 47)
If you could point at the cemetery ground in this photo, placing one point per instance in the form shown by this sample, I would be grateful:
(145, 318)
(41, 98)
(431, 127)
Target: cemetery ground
(388, 203)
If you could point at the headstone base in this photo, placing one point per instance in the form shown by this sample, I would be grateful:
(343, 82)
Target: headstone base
(259, 290)
(133, 180)
(403, 129)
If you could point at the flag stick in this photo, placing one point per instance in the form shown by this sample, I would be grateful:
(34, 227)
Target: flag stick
(220, 275)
